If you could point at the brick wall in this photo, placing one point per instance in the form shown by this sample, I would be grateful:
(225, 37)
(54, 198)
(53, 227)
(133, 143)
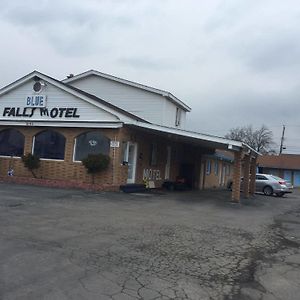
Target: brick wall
(67, 169)
(180, 154)
(70, 171)
(213, 180)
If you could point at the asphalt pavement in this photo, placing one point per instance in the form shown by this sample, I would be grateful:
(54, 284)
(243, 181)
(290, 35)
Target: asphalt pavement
(72, 244)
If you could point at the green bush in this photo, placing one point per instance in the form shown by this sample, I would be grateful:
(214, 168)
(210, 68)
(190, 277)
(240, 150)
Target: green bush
(95, 163)
(31, 162)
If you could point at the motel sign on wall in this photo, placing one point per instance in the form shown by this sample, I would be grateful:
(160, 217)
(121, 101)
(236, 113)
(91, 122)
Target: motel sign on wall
(38, 103)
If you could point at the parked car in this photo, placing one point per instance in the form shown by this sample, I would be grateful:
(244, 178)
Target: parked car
(269, 185)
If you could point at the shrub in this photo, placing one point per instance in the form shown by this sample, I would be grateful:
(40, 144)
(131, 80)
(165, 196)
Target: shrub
(95, 163)
(31, 162)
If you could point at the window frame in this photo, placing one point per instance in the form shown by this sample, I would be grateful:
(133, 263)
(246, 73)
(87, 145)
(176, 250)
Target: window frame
(178, 117)
(13, 156)
(153, 154)
(227, 170)
(48, 159)
(75, 144)
(216, 167)
(125, 153)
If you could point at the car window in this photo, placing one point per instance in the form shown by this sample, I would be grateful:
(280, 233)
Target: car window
(261, 177)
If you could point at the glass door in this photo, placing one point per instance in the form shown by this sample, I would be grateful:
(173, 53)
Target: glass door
(132, 153)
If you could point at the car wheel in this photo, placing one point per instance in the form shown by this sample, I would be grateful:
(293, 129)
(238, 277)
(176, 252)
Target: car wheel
(268, 191)
(280, 194)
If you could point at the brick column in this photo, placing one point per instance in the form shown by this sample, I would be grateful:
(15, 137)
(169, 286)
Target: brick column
(28, 141)
(246, 176)
(252, 176)
(236, 183)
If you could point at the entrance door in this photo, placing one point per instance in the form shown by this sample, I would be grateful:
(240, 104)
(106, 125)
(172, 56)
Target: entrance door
(132, 153)
(168, 163)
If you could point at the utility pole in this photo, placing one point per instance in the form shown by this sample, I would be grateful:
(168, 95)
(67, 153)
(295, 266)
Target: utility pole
(282, 139)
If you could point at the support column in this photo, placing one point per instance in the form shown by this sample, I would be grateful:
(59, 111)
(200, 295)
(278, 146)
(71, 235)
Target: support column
(252, 176)
(246, 176)
(236, 183)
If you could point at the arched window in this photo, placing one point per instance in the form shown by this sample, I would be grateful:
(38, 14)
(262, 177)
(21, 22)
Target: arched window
(11, 142)
(49, 144)
(92, 142)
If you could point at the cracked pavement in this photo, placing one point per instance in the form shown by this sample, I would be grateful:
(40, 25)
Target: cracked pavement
(71, 244)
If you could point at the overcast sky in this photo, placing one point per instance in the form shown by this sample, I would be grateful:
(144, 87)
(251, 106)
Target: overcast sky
(234, 62)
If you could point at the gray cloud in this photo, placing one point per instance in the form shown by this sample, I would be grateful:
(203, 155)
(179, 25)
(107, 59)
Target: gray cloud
(234, 62)
(144, 62)
(269, 51)
(69, 26)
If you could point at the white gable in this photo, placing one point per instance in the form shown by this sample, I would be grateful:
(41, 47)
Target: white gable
(142, 103)
(143, 87)
(148, 105)
(21, 103)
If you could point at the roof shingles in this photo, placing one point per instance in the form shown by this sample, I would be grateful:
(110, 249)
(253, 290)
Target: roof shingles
(282, 161)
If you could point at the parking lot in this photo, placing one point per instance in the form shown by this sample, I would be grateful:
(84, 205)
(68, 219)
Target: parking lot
(73, 244)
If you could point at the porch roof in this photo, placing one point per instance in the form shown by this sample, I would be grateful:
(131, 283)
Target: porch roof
(195, 138)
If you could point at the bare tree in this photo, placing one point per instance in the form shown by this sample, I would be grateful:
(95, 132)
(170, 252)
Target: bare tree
(260, 139)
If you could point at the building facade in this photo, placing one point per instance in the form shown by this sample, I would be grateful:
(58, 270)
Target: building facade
(286, 166)
(217, 170)
(140, 128)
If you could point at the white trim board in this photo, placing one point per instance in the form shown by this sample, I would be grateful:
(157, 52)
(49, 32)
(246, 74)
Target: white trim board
(84, 124)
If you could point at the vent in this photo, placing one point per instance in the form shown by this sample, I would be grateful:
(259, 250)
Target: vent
(38, 86)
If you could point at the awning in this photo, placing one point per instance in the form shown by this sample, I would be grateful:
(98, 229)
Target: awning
(195, 138)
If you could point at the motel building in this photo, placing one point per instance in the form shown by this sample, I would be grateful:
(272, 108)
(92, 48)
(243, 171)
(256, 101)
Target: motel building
(141, 128)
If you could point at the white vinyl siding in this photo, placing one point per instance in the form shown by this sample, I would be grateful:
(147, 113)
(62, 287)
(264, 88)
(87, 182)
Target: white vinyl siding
(170, 115)
(147, 105)
(56, 98)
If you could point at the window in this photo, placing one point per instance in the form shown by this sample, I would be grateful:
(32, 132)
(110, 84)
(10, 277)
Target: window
(178, 116)
(92, 142)
(153, 154)
(260, 177)
(11, 143)
(208, 167)
(49, 144)
(227, 170)
(216, 167)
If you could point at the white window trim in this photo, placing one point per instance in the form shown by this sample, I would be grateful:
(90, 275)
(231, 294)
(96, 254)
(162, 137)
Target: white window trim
(126, 153)
(15, 157)
(74, 149)
(52, 159)
(45, 159)
(178, 117)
